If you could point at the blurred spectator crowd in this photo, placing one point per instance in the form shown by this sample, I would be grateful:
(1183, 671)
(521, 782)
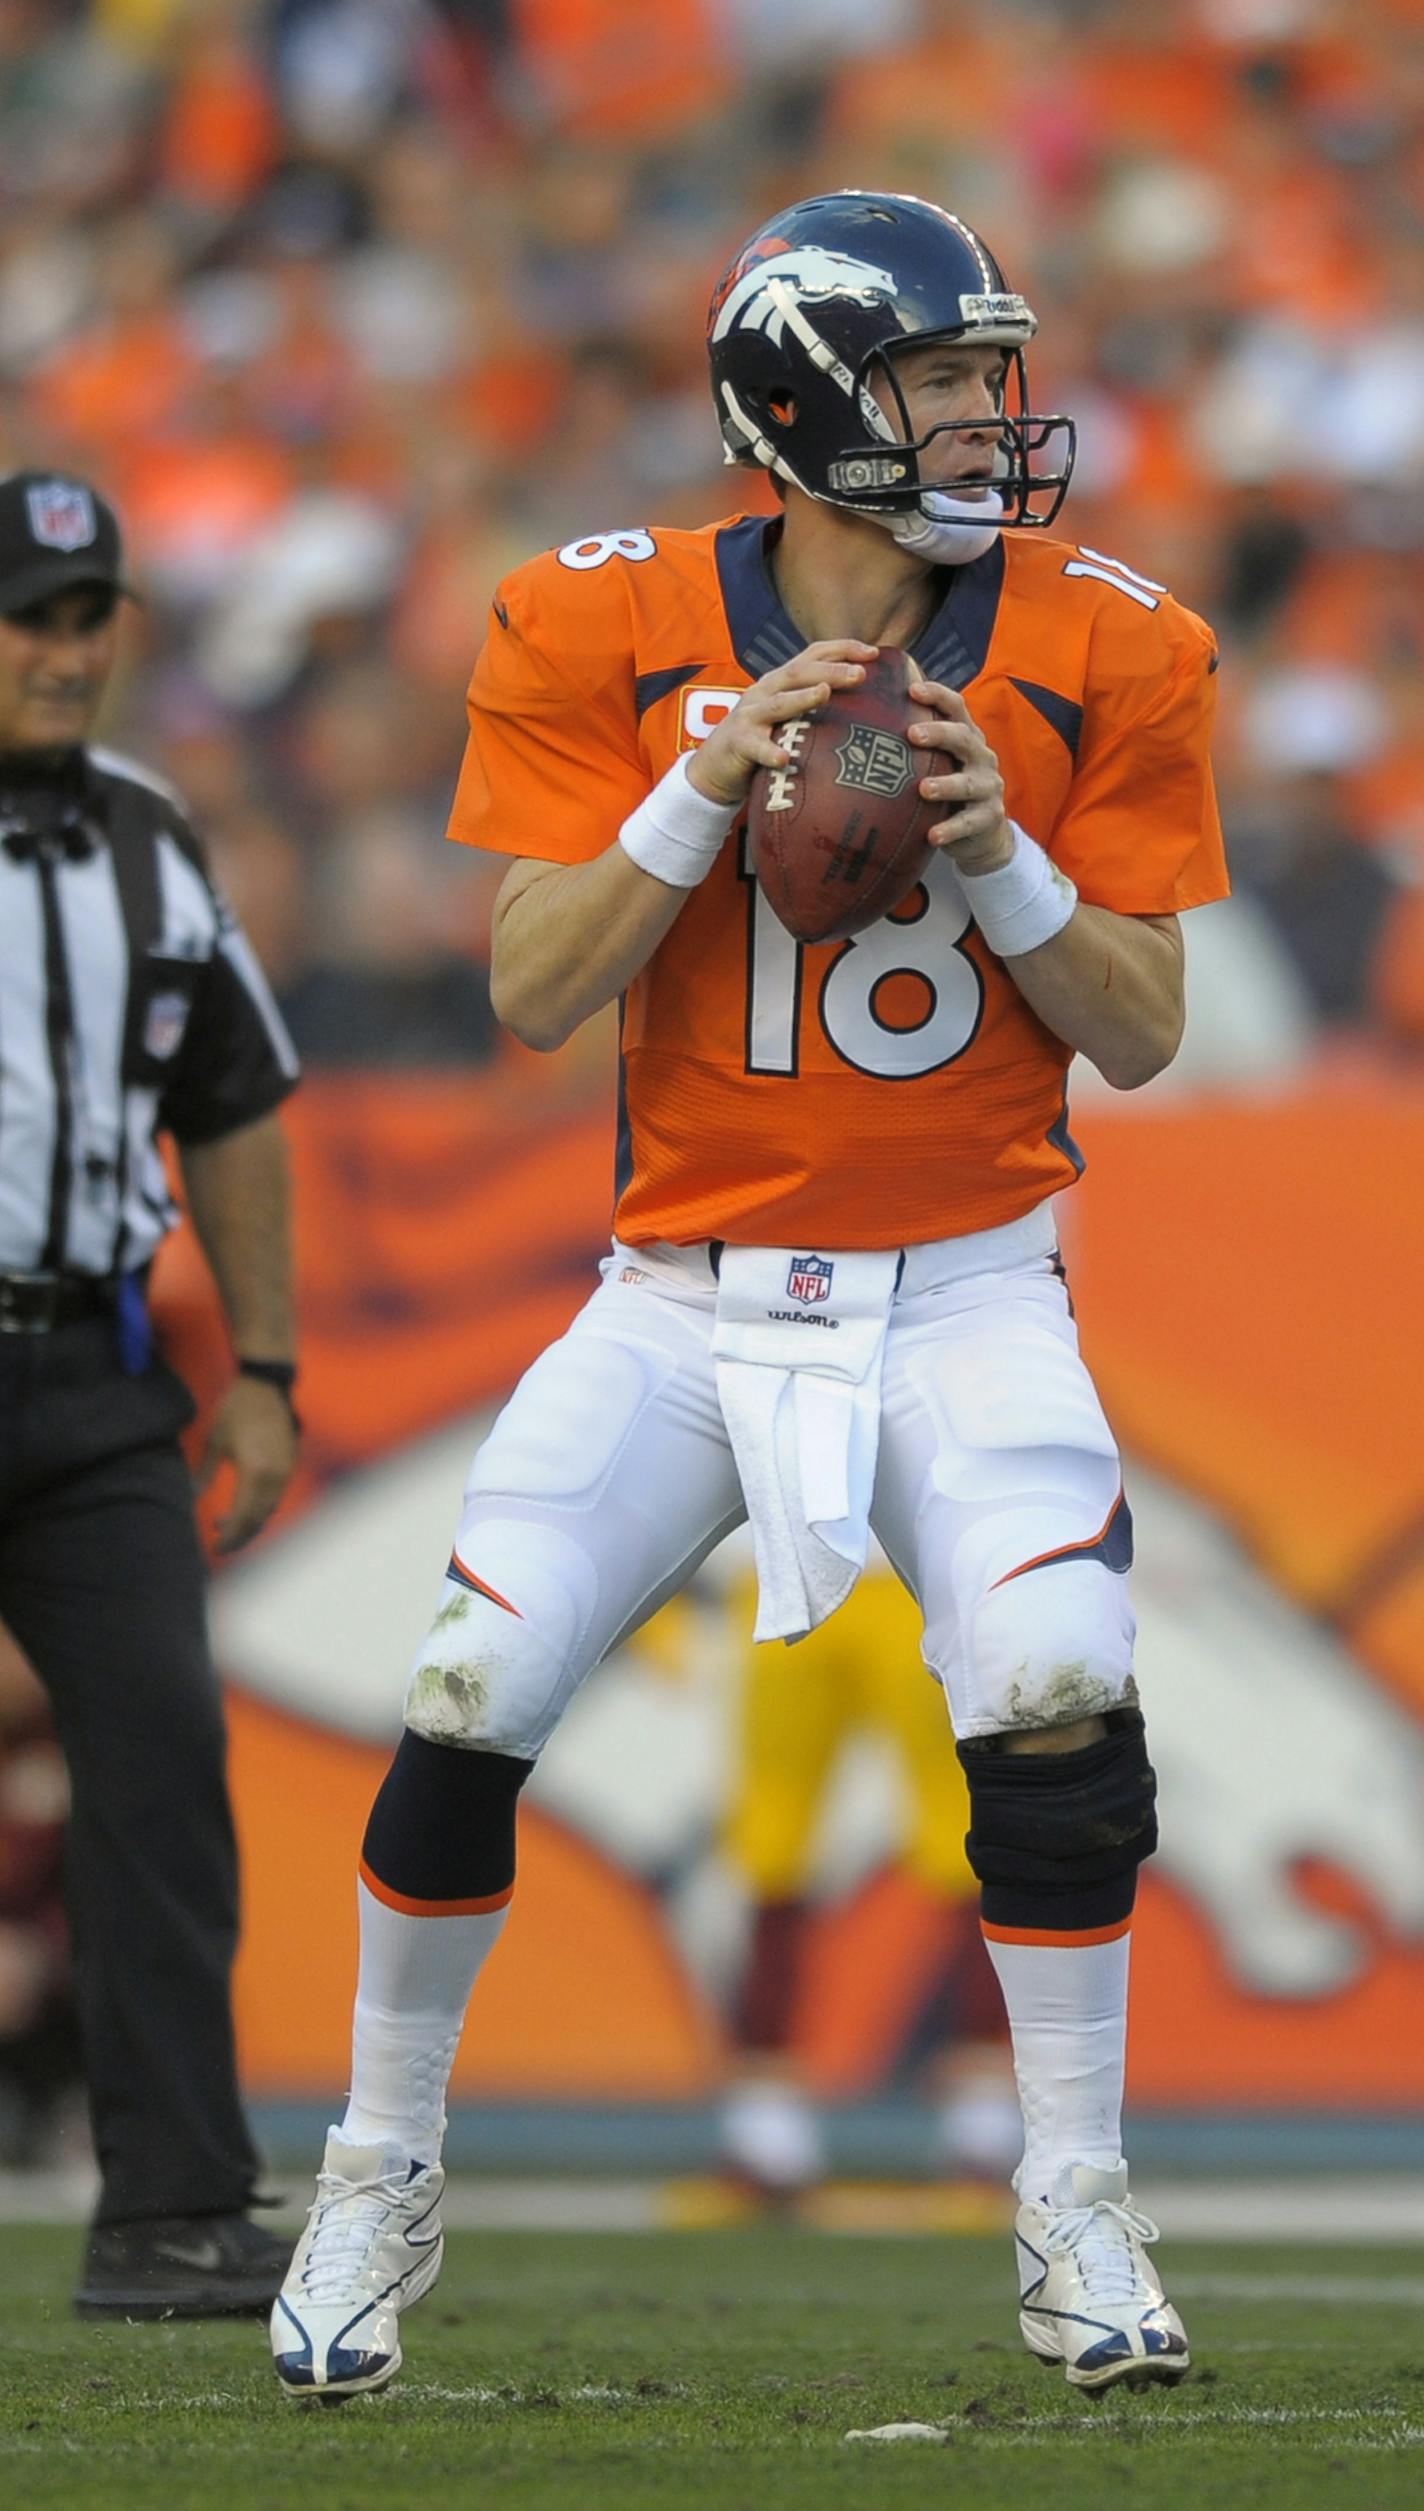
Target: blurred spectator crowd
(352, 304)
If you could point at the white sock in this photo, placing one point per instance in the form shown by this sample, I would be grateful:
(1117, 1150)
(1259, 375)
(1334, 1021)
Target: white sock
(1067, 2007)
(412, 1989)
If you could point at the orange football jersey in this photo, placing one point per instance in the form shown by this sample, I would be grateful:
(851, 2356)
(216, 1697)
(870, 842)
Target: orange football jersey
(894, 1088)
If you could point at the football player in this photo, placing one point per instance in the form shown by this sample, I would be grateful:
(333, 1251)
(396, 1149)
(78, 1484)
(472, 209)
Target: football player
(859, 1675)
(867, 1136)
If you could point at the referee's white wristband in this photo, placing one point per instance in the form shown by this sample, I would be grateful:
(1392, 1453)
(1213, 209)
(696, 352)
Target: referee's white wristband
(677, 833)
(1024, 903)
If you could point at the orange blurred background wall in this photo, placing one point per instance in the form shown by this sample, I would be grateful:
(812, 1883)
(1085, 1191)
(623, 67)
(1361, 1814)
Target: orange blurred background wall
(1247, 1279)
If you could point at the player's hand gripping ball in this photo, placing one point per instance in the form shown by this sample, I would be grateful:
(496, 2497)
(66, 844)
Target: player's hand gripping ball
(840, 835)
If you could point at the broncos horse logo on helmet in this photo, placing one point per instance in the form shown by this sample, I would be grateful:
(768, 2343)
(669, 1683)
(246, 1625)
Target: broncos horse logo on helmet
(827, 291)
(756, 296)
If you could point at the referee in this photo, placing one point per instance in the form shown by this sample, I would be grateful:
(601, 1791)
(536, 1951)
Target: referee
(130, 1004)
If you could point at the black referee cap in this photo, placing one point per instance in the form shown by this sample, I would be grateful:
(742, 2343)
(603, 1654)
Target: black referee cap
(55, 532)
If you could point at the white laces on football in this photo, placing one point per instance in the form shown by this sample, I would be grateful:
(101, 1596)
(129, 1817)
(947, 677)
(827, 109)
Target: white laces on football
(1100, 2238)
(345, 2232)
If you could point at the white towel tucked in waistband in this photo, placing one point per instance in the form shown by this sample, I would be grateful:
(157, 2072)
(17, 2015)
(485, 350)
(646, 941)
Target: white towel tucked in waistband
(798, 1344)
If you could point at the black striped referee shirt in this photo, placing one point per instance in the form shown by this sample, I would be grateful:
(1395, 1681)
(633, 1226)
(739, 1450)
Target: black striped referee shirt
(130, 1004)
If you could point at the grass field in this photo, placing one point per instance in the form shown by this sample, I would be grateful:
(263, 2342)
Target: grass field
(721, 2371)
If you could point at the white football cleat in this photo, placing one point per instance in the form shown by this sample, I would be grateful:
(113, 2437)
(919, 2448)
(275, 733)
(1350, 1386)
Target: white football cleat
(1089, 2296)
(373, 2243)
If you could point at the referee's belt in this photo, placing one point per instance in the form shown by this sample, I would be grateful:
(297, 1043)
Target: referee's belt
(34, 1303)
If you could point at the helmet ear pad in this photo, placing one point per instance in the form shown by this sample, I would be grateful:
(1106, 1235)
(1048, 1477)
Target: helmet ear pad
(808, 412)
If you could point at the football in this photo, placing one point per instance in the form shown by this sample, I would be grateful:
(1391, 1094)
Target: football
(839, 836)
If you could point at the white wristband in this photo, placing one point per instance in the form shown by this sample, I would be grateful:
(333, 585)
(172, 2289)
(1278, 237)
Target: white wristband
(677, 833)
(1024, 903)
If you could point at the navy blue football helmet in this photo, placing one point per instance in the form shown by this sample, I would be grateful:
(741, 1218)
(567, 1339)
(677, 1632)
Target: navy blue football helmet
(823, 292)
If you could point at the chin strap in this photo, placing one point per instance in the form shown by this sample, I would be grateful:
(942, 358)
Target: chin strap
(947, 531)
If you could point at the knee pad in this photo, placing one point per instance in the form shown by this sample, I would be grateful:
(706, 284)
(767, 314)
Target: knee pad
(1055, 1644)
(441, 1831)
(1056, 1838)
(1027, 1626)
(505, 1651)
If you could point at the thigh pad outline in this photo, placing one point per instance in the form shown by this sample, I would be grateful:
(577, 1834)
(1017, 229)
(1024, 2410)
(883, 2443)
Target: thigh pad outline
(604, 1471)
(1011, 1461)
(1000, 1397)
(561, 1435)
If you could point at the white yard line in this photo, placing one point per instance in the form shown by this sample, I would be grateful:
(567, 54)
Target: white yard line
(1385, 2207)
(1371, 2209)
(1400, 2292)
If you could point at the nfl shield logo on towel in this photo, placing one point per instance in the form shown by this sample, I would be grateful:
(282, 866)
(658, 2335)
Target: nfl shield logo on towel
(61, 514)
(809, 1279)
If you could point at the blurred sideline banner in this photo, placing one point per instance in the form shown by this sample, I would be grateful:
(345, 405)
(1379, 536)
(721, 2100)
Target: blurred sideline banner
(1247, 1277)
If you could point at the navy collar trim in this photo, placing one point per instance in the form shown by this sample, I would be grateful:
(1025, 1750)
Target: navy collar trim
(952, 647)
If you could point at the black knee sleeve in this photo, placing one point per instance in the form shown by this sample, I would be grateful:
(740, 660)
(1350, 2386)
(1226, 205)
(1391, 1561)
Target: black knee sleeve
(442, 1825)
(1056, 1838)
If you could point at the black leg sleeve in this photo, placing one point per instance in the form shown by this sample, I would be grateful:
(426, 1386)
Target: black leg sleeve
(1056, 1838)
(441, 1831)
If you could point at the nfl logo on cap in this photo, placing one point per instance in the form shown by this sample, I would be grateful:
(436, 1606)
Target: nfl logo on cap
(809, 1280)
(61, 514)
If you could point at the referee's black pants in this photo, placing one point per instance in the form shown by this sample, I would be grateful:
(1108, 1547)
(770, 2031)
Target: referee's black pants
(102, 1582)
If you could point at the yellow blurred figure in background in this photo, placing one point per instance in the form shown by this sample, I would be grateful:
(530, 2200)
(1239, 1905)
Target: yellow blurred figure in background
(800, 1709)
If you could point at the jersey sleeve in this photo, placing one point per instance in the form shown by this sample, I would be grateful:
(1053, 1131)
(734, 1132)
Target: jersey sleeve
(1140, 831)
(552, 765)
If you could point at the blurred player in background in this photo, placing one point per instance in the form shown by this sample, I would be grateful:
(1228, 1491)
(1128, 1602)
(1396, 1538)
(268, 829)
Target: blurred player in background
(803, 1129)
(859, 1675)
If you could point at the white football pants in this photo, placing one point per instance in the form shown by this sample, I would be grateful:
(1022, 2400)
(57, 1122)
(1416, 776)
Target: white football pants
(608, 1477)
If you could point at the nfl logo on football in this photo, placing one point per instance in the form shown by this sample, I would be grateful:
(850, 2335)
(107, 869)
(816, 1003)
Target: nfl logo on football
(809, 1280)
(875, 762)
